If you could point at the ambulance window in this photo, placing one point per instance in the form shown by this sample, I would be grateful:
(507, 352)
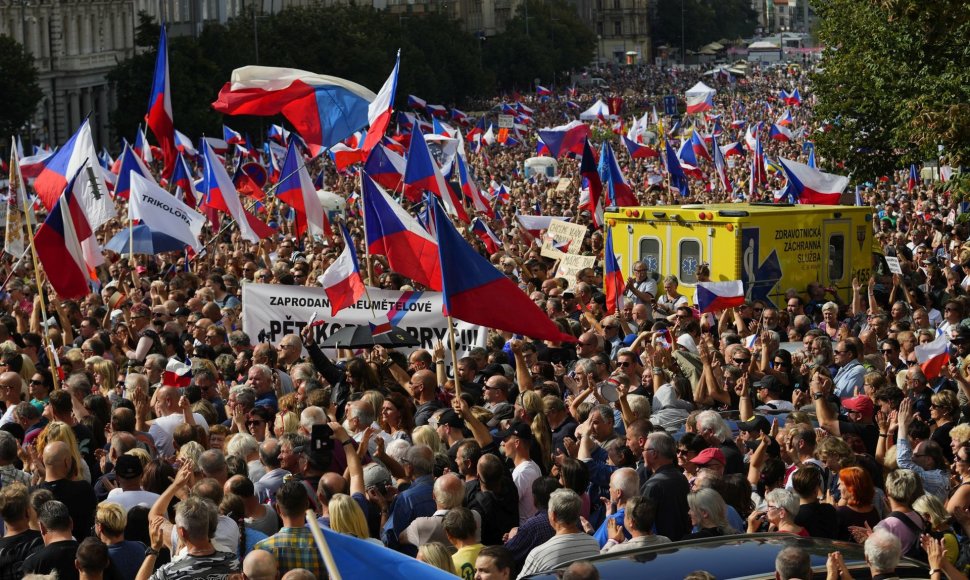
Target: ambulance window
(690, 258)
(836, 256)
(650, 254)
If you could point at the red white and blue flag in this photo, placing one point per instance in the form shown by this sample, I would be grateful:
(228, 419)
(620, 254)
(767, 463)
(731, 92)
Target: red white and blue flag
(342, 281)
(392, 232)
(717, 296)
(159, 118)
(129, 162)
(380, 110)
(568, 138)
(58, 244)
(612, 276)
(809, 185)
(486, 235)
(423, 174)
(590, 173)
(386, 168)
(325, 110)
(913, 179)
(296, 189)
(221, 194)
(474, 291)
(933, 356)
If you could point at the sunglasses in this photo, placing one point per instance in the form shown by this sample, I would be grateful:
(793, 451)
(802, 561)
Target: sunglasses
(742, 361)
(255, 423)
(36, 382)
(625, 364)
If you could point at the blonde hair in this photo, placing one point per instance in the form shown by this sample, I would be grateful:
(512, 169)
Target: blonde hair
(141, 454)
(531, 401)
(112, 518)
(960, 433)
(108, 372)
(426, 435)
(346, 516)
(191, 452)
(931, 508)
(436, 554)
(58, 431)
(291, 422)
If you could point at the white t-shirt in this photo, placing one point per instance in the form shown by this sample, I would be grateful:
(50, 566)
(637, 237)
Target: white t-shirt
(523, 475)
(7, 415)
(162, 429)
(130, 499)
(225, 540)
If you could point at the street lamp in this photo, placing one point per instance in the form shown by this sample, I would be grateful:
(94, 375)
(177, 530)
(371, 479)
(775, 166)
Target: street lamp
(781, 44)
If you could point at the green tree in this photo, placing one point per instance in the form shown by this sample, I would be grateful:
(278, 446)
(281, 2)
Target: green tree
(20, 92)
(702, 22)
(194, 77)
(556, 41)
(894, 84)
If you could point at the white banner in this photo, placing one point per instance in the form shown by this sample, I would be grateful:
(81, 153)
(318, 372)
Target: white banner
(270, 312)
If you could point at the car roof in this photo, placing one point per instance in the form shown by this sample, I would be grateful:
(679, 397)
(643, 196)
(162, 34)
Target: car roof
(736, 556)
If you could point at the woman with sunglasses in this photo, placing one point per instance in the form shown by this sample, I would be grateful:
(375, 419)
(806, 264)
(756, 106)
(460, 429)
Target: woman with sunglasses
(960, 494)
(259, 423)
(39, 387)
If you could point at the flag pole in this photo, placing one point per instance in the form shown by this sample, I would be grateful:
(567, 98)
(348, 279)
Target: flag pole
(13, 269)
(363, 221)
(51, 355)
(322, 546)
(454, 355)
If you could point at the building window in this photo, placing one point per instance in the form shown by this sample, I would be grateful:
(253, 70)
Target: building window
(616, 4)
(617, 28)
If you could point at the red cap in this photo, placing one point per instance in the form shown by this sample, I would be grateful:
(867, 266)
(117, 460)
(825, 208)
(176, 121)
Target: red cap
(708, 455)
(862, 404)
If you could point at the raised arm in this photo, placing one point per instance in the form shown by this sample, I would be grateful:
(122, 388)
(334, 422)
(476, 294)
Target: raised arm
(479, 431)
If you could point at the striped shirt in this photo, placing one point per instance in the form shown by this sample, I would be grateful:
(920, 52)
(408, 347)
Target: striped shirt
(559, 550)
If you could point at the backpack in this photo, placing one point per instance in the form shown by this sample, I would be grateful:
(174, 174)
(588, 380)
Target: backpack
(916, 551)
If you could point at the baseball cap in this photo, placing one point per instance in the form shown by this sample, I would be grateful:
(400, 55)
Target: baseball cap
(768, 382)
(756, 423)
(861, 404)
(493, 369)
(375, 474)
(963, 335)
(128, 467)
(501, 412)
(518, 428)
(708, 455)
(450, 418)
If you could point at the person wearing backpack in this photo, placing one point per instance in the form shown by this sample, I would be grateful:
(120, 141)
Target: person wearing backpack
(903, 488)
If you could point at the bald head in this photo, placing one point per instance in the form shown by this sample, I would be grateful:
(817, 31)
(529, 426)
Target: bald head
(260, 565)
(57, 460)
(449, 491)
(11, 386)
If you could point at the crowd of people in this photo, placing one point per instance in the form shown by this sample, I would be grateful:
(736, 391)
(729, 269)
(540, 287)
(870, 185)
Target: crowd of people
(656, 425)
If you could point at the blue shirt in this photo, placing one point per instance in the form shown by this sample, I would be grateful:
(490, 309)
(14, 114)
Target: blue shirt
(416, 502)
(534, 532)
(602, 533)
(848, 378)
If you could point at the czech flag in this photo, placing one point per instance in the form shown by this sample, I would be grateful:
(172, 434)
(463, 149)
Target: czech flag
(612, 276)
(325, 110)
(809, 185)
(141, 146)
(439, 111)
(392, 232)
(486, 235)
(183, 178)
(232, 137)
(221, 194)
(474, 291)
(177, 374)
(296, 189)
(416, 103)
(913, 180)
(543, 91)
(58, 244)
(718, 296)
(785, 120)
(129, 162)
(159, 117)
(184, 145)
(933, 356)
(732, 149)
(386, 168)
(423, 174)
(380, 110)
(720, 167)
(792, 98)
(588, 170)
(699, 147)
(780, 133)
(568, 138)
(470, 189)
(342, 281)
(638, 151)
(344, 156)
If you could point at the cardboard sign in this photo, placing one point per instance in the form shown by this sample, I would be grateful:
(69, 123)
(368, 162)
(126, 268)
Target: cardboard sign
(563, 237)
(506, 121)
(893, 263)
(571, 264)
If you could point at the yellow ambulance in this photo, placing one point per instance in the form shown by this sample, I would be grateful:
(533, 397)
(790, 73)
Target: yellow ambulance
(769, 247)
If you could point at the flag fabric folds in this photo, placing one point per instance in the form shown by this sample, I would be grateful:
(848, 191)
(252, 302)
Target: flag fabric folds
(385, 167)
(588, 170)
(58, 244)
(913, 179)
(296, 189)
(678, 178)
(933, 356)
(717, 296)
(131, 163)
(221, 194)
(809, 185)
(618, 191)
(163, 213)
(77, 157)
(342, 281)
(392, 232)
(325, 110)
(422, 174)
(486, 235)
(474, 291)
(380, 110)
(568, 138)
(612, 276)
(159, 118)
(638, 151)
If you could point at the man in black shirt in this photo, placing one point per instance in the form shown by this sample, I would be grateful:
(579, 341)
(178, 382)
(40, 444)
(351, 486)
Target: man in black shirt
(59, 547)
(19, 541)
(667, 487)
(79, 495)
